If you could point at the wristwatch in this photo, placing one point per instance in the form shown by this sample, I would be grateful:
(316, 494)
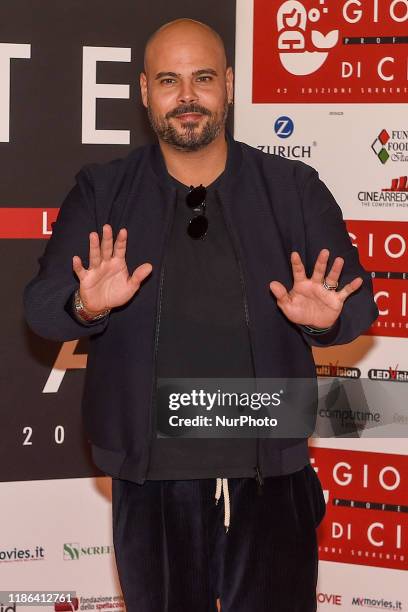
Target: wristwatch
(82, 314)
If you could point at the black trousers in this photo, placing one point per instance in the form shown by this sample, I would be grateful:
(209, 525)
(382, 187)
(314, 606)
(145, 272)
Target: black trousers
(173, 553)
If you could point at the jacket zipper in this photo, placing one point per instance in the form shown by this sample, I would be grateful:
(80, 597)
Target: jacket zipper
(258, 474)
(156, 338)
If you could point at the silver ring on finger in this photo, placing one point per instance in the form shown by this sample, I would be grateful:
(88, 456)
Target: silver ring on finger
(330, 287)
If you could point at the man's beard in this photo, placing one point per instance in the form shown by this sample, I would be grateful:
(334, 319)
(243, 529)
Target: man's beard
(188, 137)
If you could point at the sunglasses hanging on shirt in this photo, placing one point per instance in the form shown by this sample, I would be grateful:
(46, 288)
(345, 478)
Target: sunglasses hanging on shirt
(195, 199)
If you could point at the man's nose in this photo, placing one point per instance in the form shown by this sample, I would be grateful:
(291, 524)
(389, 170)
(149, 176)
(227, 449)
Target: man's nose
(187, 94)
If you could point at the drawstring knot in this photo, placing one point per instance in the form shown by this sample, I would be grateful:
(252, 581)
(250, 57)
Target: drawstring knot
(222, 486)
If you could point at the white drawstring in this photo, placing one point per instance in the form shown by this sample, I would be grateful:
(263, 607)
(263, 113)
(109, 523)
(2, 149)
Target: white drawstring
(222, 485)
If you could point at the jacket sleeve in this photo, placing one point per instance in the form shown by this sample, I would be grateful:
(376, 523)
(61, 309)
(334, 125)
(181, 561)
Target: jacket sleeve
(326, 229)
(47, 298)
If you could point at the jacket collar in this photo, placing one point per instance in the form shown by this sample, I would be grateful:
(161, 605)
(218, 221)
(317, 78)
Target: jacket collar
(232, 168)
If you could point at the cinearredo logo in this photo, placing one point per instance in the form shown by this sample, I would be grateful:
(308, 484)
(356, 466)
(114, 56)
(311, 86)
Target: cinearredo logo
(393, 196)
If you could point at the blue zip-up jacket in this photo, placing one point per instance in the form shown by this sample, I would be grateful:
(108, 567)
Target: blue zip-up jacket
(272, 206)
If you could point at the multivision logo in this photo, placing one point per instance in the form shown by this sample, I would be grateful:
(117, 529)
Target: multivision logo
(337, 371)
(284, 128)
(72, 551)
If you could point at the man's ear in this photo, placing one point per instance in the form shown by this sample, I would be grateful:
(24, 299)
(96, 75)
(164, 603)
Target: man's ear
(229, 81)
(143, 88)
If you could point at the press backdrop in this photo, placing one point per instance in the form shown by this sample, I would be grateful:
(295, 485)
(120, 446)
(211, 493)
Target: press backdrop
(320, 81)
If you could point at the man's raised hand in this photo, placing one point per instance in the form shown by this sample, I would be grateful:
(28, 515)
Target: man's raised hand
(107, 283)
(309, 302)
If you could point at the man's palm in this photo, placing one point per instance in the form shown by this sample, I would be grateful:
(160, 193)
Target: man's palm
(308, 302)
(107, 283)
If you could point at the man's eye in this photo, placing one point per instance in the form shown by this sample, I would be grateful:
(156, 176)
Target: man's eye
(205, 77)
(165, 81)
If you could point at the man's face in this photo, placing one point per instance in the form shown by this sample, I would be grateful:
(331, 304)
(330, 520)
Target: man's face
(186, 88)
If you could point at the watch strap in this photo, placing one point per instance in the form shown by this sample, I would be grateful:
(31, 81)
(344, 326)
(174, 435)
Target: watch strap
(82, 314)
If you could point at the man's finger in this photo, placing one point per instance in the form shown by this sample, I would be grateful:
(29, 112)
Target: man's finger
(94, 250)
(298, 269)
(107, 242)
(78, 267)
(140, 273)
(119, 249)
(335, 271)
(279, 291)
(319, 269)
(350, 288)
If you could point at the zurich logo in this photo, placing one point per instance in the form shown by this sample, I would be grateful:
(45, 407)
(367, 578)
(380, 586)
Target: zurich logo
(284, 127)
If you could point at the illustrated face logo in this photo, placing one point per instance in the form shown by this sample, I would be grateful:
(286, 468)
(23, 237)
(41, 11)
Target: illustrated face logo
(295, 35)
(307, 51)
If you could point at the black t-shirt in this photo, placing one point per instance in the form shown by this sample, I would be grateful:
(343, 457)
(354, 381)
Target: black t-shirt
(202, 334)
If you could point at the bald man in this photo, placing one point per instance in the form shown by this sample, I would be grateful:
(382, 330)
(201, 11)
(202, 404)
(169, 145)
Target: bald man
(241, 263)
